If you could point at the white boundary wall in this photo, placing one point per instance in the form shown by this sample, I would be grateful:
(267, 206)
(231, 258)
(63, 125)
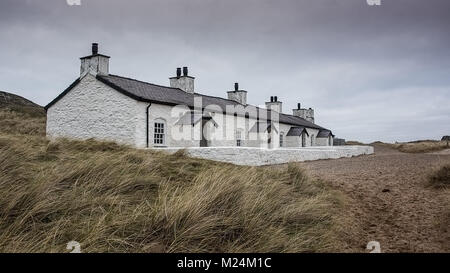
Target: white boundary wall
(258, 156)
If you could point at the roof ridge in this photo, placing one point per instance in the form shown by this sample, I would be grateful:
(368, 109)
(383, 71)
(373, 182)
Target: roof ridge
(149, 83)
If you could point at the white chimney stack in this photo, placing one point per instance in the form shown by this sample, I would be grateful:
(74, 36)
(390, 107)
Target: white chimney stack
(94, 64)
(307, 114)
(237, 95)
(183, 82)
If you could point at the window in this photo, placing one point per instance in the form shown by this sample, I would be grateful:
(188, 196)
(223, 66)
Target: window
(239, 138)
(159, 134)
(312, 140)
(281, 139)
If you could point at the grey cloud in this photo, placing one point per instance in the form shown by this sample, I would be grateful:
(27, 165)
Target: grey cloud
(370, 72)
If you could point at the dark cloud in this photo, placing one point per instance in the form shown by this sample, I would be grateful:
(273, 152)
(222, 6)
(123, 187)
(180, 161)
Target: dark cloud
(371, 73)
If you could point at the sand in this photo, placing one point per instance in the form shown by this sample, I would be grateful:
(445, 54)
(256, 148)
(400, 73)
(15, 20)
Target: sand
(389, 200)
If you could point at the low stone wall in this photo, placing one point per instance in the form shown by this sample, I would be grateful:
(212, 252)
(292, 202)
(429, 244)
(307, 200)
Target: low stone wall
(258, 157)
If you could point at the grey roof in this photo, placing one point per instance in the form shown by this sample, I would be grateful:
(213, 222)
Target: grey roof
(324, 133)
(297, 131)
(192, 117)
(189, 118)
(262, 126)
(148, 92)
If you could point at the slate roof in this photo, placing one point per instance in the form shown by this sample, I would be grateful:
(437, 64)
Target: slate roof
(324, 133)
(147, 92)
(192, 117)
(262, 126)
(297, 131)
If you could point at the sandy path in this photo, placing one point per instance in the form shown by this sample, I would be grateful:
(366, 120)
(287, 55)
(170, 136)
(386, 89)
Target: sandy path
(389, 200)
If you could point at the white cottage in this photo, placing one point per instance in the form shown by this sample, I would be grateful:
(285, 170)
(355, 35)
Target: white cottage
(109, 107)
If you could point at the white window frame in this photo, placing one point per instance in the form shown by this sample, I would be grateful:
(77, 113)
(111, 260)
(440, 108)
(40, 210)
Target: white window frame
(238, 135)
(281, 139)
(159, 133)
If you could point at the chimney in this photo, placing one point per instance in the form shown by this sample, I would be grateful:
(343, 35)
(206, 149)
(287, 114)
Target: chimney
(94, 49)
(307, 114)
(183, 82)
(274, 104)
(237, 95)
(94, 64)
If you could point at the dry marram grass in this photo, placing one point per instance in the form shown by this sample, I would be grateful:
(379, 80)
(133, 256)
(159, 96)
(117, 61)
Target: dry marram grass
(441, 177)
(425, 146)
(113, 198)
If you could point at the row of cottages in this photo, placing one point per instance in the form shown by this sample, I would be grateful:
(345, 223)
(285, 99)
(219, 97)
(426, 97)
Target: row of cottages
(109, 107)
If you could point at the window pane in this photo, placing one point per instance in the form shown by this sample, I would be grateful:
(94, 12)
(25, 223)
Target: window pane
(158, 137)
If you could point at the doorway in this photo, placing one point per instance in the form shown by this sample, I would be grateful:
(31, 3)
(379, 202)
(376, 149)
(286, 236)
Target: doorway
(203, 139)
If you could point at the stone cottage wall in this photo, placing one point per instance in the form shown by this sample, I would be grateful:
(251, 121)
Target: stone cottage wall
(93, 110)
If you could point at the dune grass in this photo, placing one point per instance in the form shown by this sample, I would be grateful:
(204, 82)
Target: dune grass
(441, 178)
(354, 142)
(425, 146)
(112, 198)
(419, 146)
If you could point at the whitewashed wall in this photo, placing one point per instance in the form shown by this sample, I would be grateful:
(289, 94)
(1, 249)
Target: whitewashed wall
(258, 157)
(324, 141)
(93, 110)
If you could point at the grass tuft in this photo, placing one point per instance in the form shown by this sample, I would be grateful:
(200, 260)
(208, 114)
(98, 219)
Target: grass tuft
(441, 178)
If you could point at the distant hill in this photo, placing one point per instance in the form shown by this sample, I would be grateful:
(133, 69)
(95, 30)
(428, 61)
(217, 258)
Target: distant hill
(17, 103)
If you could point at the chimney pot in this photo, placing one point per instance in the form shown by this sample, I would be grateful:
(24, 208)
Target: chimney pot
(299, 106)
(236, 86)
(274, 104)
(185, 71)
(178, 72)
(94, 49)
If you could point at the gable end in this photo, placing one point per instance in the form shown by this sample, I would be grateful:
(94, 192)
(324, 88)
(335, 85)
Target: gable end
(60, 96)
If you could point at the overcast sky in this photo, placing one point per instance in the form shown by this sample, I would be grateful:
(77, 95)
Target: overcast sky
(370, 72)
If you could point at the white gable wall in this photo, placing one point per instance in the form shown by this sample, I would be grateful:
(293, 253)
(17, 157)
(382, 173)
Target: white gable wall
(93, 110)
(324, 141)
(311, 137)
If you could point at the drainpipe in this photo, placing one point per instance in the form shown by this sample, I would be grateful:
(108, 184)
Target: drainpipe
(146, 114)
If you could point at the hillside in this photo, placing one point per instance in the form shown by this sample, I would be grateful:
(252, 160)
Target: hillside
(112, 198)
(19, 104)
